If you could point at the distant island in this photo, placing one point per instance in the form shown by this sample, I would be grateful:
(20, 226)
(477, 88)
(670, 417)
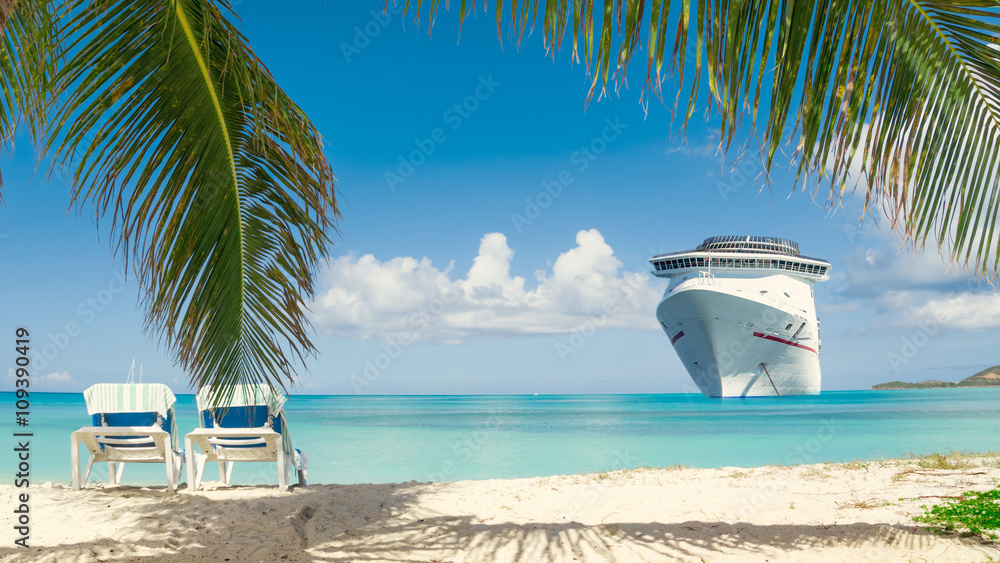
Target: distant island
(989, 377)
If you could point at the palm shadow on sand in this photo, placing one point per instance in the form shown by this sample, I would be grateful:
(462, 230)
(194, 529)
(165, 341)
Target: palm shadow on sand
(342, 523)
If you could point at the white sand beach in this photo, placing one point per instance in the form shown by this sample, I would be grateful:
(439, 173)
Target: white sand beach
(859, 511)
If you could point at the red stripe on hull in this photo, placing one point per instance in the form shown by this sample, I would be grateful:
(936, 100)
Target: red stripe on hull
(783, 341)
(676, 337)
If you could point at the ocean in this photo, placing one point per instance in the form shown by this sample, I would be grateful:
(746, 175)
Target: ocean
(381, 439)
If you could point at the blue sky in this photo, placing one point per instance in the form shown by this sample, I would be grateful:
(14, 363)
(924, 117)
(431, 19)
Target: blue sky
(443, 150)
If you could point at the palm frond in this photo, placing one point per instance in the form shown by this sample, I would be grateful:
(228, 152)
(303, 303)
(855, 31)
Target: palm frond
(9, 101)
(28, 49)
(911, 88)
(215, 181)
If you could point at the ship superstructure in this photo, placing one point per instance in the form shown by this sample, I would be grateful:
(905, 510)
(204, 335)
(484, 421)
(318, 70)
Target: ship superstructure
(740, 312)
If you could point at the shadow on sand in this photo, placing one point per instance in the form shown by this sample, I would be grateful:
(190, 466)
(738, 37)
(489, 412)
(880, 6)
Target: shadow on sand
(341, 523)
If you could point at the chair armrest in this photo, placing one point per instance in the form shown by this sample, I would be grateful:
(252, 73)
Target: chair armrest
(88, 435)
(123, 430)
(233, 432)
(200, 436)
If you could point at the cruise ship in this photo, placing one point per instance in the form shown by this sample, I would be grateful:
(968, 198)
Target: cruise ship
(741, 315)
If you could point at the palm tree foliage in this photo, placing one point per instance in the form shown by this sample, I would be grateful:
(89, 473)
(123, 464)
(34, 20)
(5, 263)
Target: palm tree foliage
(907, 89)
(13, 95)
(27, 49)
(214, 181)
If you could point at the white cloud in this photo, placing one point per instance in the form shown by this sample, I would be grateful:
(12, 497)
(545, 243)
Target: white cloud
(880, 267)
(708, 148)
(49, 380)
(904, 289)
(963, 311)
(56, 377)
(367, 298)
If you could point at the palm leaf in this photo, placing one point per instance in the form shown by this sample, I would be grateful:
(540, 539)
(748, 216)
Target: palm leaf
(11, 98)
(910, 88)
(27, 51)
(214, 180)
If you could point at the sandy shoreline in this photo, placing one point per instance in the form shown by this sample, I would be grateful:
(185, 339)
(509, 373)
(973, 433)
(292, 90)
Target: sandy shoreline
(825, 512)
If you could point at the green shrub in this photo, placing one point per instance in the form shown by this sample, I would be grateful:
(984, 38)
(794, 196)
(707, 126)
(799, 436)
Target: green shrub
(976, 513)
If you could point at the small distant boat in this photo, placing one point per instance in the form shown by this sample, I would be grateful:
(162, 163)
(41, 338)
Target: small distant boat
(741, 315)
(131, 373)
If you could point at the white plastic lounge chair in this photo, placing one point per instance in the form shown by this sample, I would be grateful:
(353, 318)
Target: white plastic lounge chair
(133, 423)
(251, 428)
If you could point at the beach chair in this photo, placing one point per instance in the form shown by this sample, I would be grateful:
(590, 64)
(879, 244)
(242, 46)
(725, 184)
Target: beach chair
(251, 427)
(132, 423)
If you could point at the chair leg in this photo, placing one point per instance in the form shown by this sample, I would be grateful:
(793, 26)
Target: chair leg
(118, 477)
(86, 474)
(178, 462)
(189, 452)
(74, 456)
(222, 473)
(229, 472)
(283, 463)
(112, 473)
(168, 461)
(199, 471)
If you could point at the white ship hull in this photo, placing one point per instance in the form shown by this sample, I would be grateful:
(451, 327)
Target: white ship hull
(741, 315)
(734, 345)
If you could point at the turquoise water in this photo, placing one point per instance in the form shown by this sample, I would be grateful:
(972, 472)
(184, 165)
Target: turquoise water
(442, 438)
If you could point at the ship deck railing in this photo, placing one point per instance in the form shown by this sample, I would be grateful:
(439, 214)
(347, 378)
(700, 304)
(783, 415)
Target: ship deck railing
(797, 265)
